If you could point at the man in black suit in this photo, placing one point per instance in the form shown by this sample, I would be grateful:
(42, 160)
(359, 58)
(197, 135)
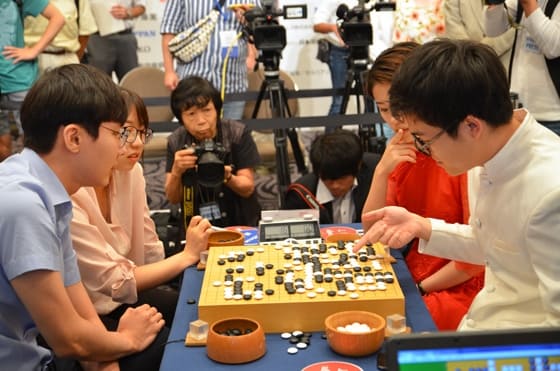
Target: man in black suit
(340, 181)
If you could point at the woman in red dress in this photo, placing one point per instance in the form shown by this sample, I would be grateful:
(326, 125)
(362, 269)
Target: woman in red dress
(409, 178)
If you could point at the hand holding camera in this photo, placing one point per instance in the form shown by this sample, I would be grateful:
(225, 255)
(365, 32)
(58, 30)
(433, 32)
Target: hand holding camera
(185, 159)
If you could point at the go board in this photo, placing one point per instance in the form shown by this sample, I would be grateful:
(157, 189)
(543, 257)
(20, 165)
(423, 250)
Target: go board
(296, 286)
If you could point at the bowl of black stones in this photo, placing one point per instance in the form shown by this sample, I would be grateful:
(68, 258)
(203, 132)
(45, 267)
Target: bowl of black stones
(235, 340)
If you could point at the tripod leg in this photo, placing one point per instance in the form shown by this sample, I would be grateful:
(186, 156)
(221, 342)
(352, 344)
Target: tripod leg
(260, 97)
(282, 161)
(292, 133)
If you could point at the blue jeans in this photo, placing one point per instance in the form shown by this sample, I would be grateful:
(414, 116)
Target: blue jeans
(338, 65)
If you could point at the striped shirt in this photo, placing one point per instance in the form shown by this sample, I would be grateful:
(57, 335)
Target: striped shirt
(179, 15)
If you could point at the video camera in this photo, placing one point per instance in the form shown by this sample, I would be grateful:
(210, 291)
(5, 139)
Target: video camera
(210, 163)
(355, 26)
(264, 30)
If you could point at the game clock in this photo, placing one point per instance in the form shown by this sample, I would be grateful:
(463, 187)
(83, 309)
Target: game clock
(283, 230)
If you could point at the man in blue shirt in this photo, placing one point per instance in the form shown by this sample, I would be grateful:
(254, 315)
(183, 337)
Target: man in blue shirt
(72, 118)
(18, 67)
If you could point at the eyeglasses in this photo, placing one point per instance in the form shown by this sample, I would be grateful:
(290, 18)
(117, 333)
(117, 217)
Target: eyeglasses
(424, 146)
(121, 133)
(132, 133)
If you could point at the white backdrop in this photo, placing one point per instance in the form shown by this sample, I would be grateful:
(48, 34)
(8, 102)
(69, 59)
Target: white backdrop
(298, 56)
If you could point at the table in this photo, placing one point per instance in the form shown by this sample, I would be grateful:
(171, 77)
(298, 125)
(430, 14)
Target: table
(179, 357)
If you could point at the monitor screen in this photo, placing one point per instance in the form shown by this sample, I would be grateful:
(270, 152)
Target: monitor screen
(494, 350)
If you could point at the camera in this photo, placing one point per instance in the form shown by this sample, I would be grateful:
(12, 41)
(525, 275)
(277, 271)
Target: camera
(210, 163)
(355, 26)
(265, 32)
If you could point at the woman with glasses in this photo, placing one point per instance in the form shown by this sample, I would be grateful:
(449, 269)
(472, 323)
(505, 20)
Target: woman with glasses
(120, 256)
(407, 176)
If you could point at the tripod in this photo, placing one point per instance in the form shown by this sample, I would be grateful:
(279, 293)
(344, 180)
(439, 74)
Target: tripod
(273, 87)
(357, 68)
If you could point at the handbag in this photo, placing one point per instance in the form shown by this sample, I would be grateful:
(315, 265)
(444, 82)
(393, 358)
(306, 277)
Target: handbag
(190, 43)
(323, 50)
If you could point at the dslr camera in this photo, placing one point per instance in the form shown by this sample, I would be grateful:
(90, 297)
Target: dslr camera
(210, 163)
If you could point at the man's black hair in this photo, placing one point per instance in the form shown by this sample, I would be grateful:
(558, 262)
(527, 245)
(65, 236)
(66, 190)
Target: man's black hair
(336, 154)
(443, 81)
(70, 94)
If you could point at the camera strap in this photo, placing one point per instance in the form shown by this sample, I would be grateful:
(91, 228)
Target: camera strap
(518, 16)
(306, 195)
(188, 204)
(553, 65)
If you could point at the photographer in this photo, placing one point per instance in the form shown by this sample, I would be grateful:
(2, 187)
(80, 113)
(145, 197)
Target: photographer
(232, 155)
(537, 39)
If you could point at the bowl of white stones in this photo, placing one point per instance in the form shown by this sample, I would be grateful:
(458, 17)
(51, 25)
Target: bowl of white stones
(355, 333)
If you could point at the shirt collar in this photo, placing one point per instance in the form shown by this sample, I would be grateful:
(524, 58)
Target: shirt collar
(324, 195)
(48, 178)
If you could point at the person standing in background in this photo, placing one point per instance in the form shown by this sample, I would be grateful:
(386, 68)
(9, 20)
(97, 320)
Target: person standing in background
(537, 39)
(179, 15)
(69, 44)
(463, 20)
(18, 68)
(115, 51)
(325, 22)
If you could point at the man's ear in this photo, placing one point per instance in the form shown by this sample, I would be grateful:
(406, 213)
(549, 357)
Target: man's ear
(472, 125)
(72, 135)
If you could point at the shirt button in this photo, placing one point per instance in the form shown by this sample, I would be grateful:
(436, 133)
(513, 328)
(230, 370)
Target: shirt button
(478, 223)
(490, 289)
(470, 322)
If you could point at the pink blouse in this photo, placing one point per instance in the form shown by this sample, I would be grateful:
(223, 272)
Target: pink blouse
(108, 253)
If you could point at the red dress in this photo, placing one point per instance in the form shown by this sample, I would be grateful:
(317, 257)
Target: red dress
(424, 188)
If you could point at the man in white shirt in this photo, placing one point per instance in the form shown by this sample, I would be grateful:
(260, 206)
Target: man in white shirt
(460, 113)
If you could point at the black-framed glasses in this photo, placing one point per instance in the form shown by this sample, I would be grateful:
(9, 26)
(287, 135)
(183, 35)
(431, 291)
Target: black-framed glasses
(121, 133)
(132, 133)
(424, 146)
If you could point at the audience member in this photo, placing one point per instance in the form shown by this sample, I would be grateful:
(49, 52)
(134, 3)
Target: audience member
(410, 178)
(210, 63)
(460, 113)
(72, 117)
(325, 22)
(223, 194)
(18, 69)
(537, 39)
(120, 256)
(418, 20)
(340, 180)
(69, 44)
(115, 51)
(463, 20)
